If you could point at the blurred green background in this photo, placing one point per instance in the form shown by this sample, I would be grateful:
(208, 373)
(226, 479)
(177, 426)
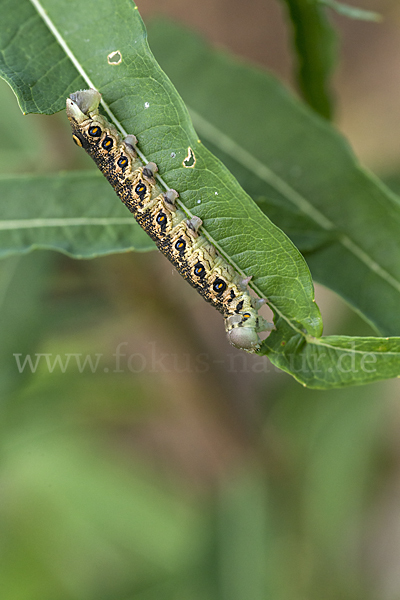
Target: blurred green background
(157, 462)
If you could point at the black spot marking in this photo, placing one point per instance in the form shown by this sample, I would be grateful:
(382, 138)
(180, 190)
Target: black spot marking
(141, 190)
(107, 143)
(239, 306)
(122, 162)
(199, 270)
(95, 131)
(246, 316)
(162, 220)
(232, 297)
(219, 286)
(180, 245)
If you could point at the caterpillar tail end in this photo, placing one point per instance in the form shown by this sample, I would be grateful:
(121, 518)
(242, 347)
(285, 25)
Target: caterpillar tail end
(242, 330)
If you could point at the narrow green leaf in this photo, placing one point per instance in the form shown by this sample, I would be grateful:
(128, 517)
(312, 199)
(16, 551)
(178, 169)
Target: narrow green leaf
(50, 49)
(333, 361)
(351, 11)
(48, 212)
(314, 42)
(298, 168)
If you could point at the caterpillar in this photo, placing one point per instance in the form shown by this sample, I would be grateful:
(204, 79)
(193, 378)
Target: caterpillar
(178, 237)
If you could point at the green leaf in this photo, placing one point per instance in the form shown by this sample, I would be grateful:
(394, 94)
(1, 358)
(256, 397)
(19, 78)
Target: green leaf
(51, 49)
(360, 281)
(314, 42)
(49, 212)
(333, 361)
(298, 168)
(351, 11)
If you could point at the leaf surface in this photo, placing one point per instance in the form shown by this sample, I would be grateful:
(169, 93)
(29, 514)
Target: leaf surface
(333, 361)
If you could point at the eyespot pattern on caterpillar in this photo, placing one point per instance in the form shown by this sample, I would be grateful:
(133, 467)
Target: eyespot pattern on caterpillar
(155, 210)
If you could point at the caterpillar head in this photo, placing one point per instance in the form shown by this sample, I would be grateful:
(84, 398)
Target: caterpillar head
(88, 125)
(242, 330)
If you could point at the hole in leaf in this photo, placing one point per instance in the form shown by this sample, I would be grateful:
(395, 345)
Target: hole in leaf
(114, 58)
(190, 160)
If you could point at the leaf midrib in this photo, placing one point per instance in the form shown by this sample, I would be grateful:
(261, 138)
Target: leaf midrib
(10, 224)
(324, 344)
